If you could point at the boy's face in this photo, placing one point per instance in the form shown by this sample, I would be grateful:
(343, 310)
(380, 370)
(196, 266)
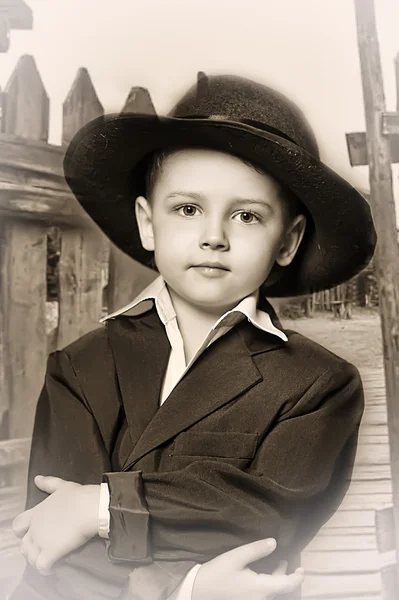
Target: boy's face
(216, 226)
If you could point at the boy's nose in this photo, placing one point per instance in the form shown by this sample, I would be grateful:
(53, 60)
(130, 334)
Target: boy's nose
(214, 237)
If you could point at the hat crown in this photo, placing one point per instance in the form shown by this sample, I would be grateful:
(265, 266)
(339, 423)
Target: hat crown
(233, 98)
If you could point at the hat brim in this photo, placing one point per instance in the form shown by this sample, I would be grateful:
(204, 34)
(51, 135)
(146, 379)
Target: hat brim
(103, 167)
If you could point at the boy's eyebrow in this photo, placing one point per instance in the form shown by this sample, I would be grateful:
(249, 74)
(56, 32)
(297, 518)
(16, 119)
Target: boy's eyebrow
(193, 195)
(238, 201)
(235, 202)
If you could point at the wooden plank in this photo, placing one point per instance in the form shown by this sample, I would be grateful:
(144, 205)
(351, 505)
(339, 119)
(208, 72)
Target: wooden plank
(370, 439)
(373, 454)
(365, 501)
(383, 486)
(385, 529)
(25, 102)
(12, 502)
(327, 530)
(43, 205)
(356, 561)
(128, 277)
(18, 14)
(25, 287)
(24, 263)
(5, 380)
(14, 452)
(357, 148)
(372, 430)
(34, 157)
(351, 518)
(390, 123)
(327, 543)
(4, 34)
(81, 281)
(80, 106)
(375, 415)
(386, 257)
(32, 182)
(341, 586)
(84, 257)
(371, 472)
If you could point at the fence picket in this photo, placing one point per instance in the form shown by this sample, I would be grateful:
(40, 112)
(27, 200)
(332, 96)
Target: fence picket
(23, 272)
(84, 251)
(126, 276)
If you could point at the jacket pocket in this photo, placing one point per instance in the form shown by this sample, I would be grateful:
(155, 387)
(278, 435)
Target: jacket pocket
(229, 444)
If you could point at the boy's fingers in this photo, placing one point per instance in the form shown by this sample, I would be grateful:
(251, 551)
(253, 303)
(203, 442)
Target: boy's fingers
(48, 484)
(281, 568)
(44, 565)
(293, 581)
(26, 545)
(244, 555)
(21, 523)
(282, 584)
(33, 554)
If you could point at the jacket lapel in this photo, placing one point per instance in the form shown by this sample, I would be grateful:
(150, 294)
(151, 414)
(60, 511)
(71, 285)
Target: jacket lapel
(224, 371)
(141, 351)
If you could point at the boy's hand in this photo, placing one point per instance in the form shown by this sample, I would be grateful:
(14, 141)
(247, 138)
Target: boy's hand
(64, 521)
(228, 577)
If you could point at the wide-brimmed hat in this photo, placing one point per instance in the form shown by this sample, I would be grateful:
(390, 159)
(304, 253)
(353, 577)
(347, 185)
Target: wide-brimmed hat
(106, 160)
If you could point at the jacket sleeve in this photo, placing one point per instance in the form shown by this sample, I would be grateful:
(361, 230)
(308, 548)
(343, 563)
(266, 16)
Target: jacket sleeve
(66, 439)
(296, 481)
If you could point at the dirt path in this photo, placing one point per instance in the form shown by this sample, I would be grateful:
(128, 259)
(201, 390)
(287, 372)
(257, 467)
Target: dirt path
(358, 340)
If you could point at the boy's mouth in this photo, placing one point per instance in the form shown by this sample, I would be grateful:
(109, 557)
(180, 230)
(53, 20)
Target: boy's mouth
(211, 269)
(212, 265)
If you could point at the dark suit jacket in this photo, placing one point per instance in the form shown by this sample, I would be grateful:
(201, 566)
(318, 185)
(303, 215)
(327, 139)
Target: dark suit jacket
(254, 442)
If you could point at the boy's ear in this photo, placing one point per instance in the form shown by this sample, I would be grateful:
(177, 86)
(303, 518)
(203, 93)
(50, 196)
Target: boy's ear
(144, 222)
(292, 238)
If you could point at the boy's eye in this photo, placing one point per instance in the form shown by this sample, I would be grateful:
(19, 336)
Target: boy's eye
(188, 210)
(246, 216)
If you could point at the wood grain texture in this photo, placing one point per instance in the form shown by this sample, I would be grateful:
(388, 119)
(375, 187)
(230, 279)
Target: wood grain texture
(23, 272)
(83, 264)
(346, 549)
(128, 277)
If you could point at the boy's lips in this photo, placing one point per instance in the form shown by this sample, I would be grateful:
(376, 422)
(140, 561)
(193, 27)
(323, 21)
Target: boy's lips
(211, 269)
(212, 265)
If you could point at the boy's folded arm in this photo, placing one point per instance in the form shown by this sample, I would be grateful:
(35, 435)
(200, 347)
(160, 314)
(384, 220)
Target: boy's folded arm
(297, 479)
(66, 440)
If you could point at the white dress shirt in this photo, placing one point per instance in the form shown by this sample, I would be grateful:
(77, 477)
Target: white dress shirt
(157, 292)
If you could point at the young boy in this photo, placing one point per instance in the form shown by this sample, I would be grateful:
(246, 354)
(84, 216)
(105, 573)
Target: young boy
(207, 424)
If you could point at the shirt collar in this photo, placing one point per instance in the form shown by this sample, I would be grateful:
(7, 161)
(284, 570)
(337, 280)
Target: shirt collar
(157, 292)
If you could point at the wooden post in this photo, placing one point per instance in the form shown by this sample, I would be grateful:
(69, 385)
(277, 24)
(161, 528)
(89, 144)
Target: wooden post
(386, 258)
(127, 277)
(14, 14)
(23, 264)
(84, 250)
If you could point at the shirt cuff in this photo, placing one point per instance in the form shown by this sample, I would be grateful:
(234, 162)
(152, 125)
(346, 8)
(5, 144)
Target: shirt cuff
(185, 589)
(103, 512)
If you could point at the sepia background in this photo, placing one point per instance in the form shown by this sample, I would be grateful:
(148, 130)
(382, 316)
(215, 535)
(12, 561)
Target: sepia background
(79, 58)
